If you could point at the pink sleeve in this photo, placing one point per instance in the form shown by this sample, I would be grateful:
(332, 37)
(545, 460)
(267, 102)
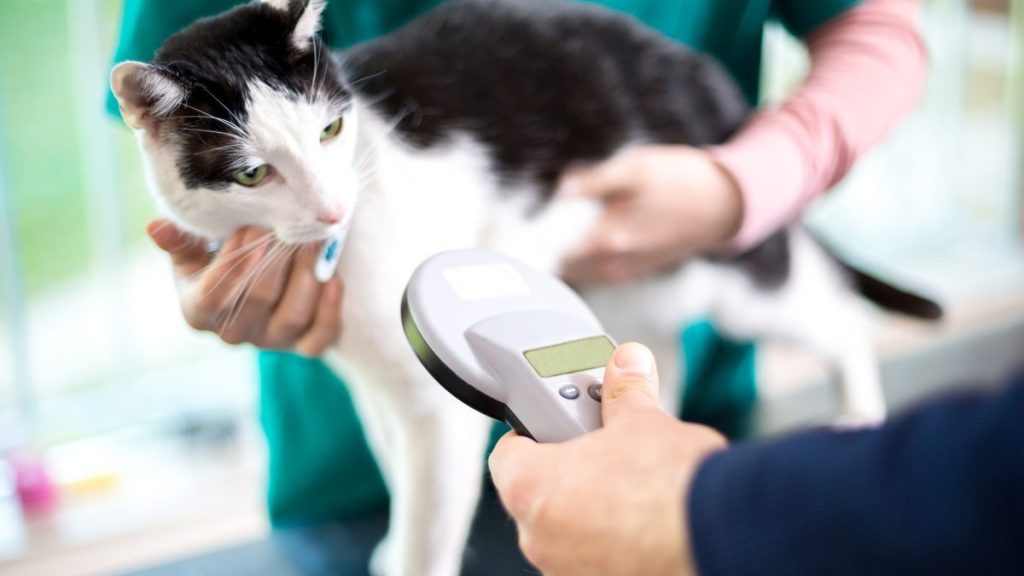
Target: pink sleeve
(868, 69)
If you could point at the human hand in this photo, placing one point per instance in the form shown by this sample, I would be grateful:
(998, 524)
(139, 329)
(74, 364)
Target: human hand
(254, 290)
(612, 501)
(663, 204)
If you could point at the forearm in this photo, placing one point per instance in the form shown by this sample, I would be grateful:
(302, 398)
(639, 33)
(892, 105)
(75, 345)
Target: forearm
(868, 70)
(938, 491)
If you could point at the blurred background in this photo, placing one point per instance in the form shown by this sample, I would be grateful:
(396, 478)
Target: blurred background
(147, 430)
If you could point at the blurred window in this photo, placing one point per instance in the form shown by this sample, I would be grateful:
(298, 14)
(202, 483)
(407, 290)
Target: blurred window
(97, 342)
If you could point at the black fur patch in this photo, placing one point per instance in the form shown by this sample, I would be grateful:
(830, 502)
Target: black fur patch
(767, 263)
(217, 59)
(544, 85)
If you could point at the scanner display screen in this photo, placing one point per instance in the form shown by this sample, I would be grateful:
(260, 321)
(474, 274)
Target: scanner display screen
(569, 357)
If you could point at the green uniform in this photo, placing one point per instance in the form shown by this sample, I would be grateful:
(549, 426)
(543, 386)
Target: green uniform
(320, 466)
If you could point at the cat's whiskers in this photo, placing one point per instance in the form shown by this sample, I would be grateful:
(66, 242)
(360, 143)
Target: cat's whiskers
(391, 129)
(231, 113)
(191, 240)
(204, 114)
(366, 177)
(369, 104)
(242, 291)
(279, 251)
(163, 225)
(221, 280)
(203, 130)
(354, 83)
(238, 256)
(312, 85)
(364, 161)
(363, 172)
(367, 154)
(233, 146)
(235, 129)
(195, 241)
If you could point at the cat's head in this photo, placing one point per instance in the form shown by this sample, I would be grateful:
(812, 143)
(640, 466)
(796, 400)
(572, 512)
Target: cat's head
(243, 120)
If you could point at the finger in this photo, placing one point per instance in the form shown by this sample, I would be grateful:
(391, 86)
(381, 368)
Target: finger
(254, 298)
(268, 285)
(583, 269)
(595, 268)
(513, 474)
(601, 268)
(242, 323)
(630, 382)
(188, 253)
(624, 268)
(326, 325)
(294, 313)
(222, 282)
(599, 181)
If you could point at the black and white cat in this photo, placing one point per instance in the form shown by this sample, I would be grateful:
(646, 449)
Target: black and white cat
(452, 132)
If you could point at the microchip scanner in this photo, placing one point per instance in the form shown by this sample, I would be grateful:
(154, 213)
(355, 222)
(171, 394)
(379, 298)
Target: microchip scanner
(510, 341)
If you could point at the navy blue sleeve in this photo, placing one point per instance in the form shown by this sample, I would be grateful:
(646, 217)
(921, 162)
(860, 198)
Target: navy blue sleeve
(937, 491)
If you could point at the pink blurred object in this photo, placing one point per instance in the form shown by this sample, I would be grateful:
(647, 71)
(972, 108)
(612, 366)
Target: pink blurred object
(868, 70)
(35, 490)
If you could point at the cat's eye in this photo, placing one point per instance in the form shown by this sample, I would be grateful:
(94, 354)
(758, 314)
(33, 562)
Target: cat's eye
(331, 130)
(252, 176)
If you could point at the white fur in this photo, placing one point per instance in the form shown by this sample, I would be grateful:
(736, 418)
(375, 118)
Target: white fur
(414, 203)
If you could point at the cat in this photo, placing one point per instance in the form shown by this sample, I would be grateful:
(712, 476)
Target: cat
(453, 132)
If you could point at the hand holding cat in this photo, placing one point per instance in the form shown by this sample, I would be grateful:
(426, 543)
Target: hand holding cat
(663, 205)
(277, 304)
(609, 502)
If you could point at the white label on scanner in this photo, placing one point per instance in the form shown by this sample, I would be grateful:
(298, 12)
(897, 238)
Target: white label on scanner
(486, 281)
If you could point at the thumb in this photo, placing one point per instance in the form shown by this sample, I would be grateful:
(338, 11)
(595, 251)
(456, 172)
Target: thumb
(186, 253)
(630, 382)
(600, 181)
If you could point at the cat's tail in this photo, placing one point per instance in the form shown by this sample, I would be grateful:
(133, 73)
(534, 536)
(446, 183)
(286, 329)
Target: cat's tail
(885, 294)
(892, 297)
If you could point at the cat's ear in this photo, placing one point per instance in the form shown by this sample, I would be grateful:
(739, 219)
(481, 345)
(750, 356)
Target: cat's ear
(145, 93)
(306, 14)
(308, 24)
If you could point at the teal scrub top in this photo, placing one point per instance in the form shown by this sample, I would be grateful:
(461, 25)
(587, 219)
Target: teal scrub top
(319, 465)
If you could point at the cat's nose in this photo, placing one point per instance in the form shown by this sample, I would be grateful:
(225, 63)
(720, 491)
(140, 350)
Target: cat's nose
(331, 216)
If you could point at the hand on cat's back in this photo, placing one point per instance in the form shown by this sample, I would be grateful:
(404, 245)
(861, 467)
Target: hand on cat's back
(662, 205)
(247, 295)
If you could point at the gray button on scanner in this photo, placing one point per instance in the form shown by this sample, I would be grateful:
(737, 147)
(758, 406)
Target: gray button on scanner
(569, 392)
(594, 391)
